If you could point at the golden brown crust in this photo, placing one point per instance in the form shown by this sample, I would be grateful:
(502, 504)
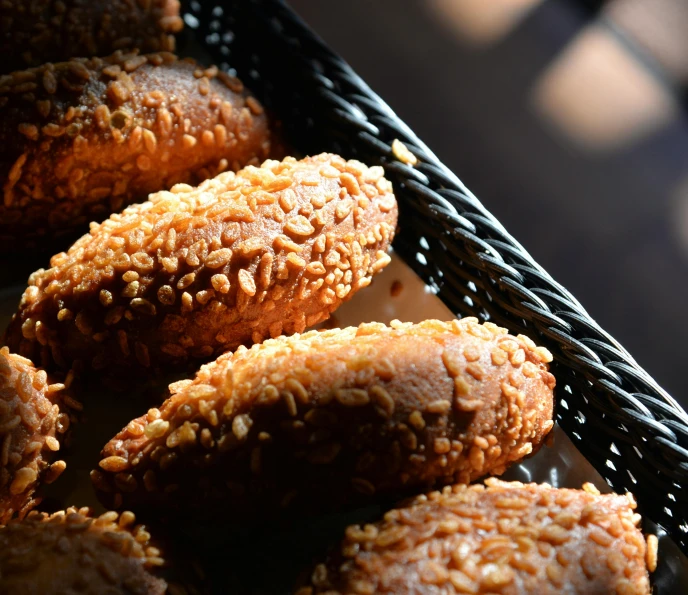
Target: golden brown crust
(507, 538)
(72, 552)
(197, 271)
(333, 418)
(32, 427)
(81, 139)
(32, 33)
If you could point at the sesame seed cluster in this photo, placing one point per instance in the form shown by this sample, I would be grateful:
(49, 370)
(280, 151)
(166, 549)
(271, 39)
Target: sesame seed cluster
(72, 552)
(324, 419)
(501, 537)
(32, 426)
(193, 272)
(39, 31)
(84, 138)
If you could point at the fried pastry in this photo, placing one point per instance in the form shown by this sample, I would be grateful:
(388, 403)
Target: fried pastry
(194, 272)
(508, 538)
(32, 33)
(71, 552)
(32, 426)
(336, 418)
(82, 139)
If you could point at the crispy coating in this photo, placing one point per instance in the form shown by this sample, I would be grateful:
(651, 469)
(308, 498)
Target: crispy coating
(81, 139)
(335, 418)
(507, 538)
(72, 552)
(32, 426)
(32, 33)
(196, 271)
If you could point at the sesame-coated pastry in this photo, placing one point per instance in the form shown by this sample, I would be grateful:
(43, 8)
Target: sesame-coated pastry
(194, 272)
(82, 139)
(32, 426)
(506, 538)
(336, 418)
(71, 552)
(39, 31)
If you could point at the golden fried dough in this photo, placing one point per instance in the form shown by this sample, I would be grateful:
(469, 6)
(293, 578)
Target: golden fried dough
(507, 538)
(81, 139)
(333, 418)
(71, 552)
(196, 271)
(39, 31)
(31, 429)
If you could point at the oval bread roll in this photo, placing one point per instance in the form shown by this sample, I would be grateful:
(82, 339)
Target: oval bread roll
(335, 418)
(197, 271)
(84, 138)
(32, 33)
(507, 538)
(71, 552)
(32, 426)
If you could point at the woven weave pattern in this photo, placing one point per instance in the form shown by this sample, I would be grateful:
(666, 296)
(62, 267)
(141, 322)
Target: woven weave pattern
(630, 429)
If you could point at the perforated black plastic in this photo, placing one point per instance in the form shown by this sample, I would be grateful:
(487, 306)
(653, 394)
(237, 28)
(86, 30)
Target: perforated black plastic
(630, 429)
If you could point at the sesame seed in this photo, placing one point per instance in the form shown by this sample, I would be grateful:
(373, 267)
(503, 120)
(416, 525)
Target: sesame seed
(440, 406)
(402, 153)
(54, 471)
(517, 357)
(352, 397)
(149, 141)
(475, 370)
(509, 345)
(295, 260)
(471, 353)
(452, 362)
(114, 464)
(254, 105)
(290, 402)
(246, 282)
(543, 355)
(52, 443)
(143, 306)
(166, 295)
(220, 283)
(23, 478)
(241, 426)
(416, 420)
(287, 200)
(442, 445)
(383, 259)
(156, 429)
(204, 86)
(299, 226)
(218, 258)
(651, 559)
(591, 489)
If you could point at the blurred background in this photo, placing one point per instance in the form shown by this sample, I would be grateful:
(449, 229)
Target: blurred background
(567, 118)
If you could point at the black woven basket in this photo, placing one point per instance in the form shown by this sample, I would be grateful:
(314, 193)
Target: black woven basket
(630, 429)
